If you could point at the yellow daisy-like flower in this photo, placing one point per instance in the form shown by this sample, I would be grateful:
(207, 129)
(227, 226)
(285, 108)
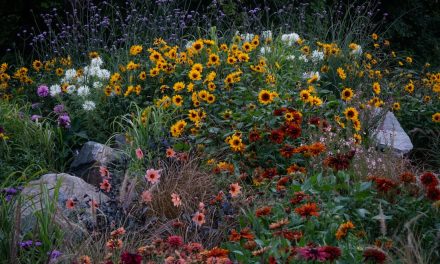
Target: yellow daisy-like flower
(436, 118)
(347, 94)
(195, 75)
(376, 88)
(351, 113)
(396, 106)
(409, 87)
(37, 65)
(264, 97)
(341, 73)
(197, 46)
(210, 98)
(236, 143)
(178, 100)
(203, 94)
(247, 46)
(59, 71)
(177, 129)
(304, 95)
(179, 86)
(315, 100)
(143, 76)
(135, 50)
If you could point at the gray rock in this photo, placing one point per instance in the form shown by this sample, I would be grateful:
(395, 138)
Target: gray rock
(73, 220)
(390, 134)
(91, 157)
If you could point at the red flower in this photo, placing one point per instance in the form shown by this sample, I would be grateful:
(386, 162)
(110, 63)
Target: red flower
(287, 151)
(313, 253)
(293, 130)
(130, 258)
(407, 177)
(383, 184)
(279, 111)
(429, 179)
(175, 241)
(375, 255)
(433, 193)
(333, 252)
(281, 184)
(270, 173)
(254, 136)
(298, 197)
(276, 136)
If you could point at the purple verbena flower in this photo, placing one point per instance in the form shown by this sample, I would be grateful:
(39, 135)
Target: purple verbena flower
(64, 120)
(59, 109)
(43, 91)
(35, 118)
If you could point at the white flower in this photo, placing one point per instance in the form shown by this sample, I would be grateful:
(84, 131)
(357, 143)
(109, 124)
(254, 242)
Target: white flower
(97, 85)
(265, 50)
(81, 79)
(69, 75)
(103, 74)
(247, 37)
(289, 39)
(189, 44)
(89, 105)
(96, 62)
(70, 89)
(83, 90)
(308, 75)
(55, 90)
(290, 57)
(357, 50)
(317, 55)
(266, 34)
(303, 58)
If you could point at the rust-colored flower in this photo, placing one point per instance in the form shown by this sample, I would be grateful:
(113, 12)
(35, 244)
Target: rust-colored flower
(428, 179)
(298, 197)
(375, 255)
(279, 224)
(276, 136)
(407, 177)
(263, 211)
(307, 210)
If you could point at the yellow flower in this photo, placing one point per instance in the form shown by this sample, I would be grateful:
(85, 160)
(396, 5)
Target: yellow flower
(37, 65)
(436, 117)
(143, 76)
(203, 94)
(347, 94)
(409, 87)
(135, 50)
(236, 143)
(195, 75)
(374, 36)
(210, 98)
(315, 100)
(179, 86)
(59, 71)
(376, 88)
(341, 73)
(396, 106)
(154, 72)
(177, 129)
(351, 113)
(197, 46)
(178, 100)
(265, 97)
(304, 95)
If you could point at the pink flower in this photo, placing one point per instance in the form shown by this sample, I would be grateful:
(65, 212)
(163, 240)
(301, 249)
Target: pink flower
(170, 153)
(199, 218)
(175, 198)
(139, 153)
(235, 189)
(105, 173)
(153, 176)
(105, 185)
(313, 253)
(146, 196)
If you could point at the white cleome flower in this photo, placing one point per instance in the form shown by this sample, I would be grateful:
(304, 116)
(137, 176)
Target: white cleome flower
(69, 75)
(266, 34)
(303, 58)
(89, 105)
(97, 85)
(83, 90)
(290, 57)
(308, 75)
(357, 51)
(103, 74)
(96, 62)
(247, 37)
(265, 50)
(317, 55)
(290, 39)
(55, 90)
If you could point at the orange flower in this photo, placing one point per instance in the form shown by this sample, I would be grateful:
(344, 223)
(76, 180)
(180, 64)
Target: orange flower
(308, 209)
(279, 224)
(343, 229)
(234, 236)
(114, 244)
(199, 218)
(118, 232)
(235, 189)
(85, 260)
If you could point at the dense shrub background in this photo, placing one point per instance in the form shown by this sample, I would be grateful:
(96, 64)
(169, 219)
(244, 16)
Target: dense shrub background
(411, 25)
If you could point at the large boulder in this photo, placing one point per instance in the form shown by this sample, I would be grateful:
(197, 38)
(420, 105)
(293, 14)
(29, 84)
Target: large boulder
(93, 155)
(390, 134)
(37, 193)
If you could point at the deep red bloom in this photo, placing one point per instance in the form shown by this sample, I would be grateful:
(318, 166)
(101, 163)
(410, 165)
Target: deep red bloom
(279, 111)
(383, 184)
(130, 258)
(292, 130)
(433, 193)
(266, 210)
(281, 184)
(313, 253)
(270, 173)
(276, 136)
(298, 197)
(175, 241)
(407, 177)
(254, 136)
(375, 255)
(429, 179)
(333, 252)
(287, 151)
(308, 209)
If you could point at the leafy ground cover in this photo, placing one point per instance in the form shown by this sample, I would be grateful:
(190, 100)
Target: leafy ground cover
(240, 147)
